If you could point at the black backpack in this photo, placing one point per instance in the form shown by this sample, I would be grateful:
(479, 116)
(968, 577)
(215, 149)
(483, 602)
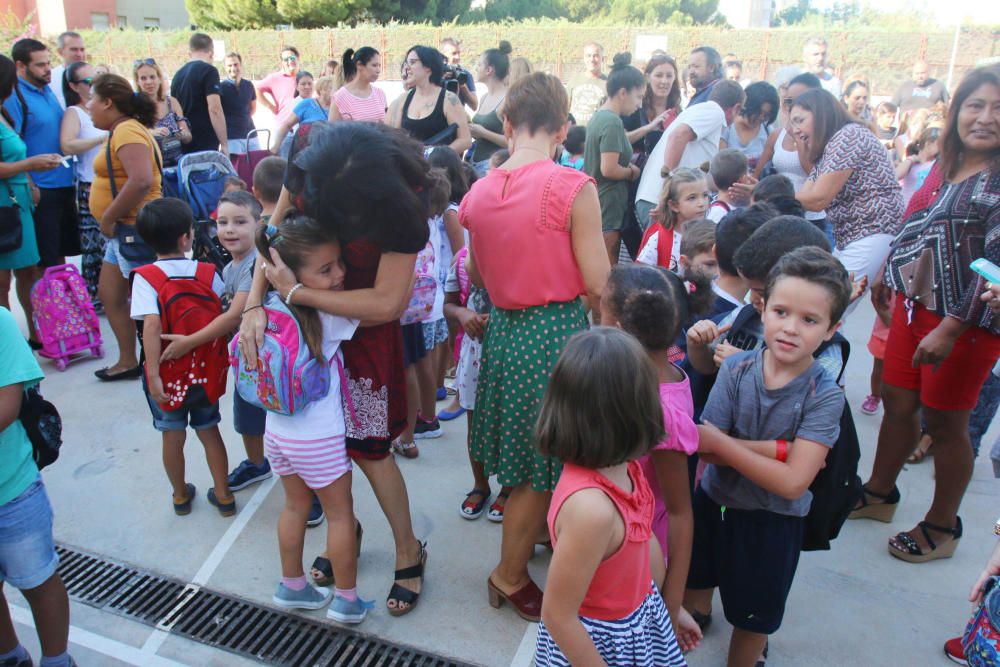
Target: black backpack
(42, 423)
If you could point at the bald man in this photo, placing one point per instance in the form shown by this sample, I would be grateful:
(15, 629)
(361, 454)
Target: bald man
(921, 92)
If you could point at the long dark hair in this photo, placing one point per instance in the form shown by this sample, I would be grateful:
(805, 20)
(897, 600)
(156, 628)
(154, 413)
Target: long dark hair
(69, 74)
(673, 97)
(137, 105)
(952, 148)
(829, 117)
(759, 94)
(430, 58)
(351, 58)
(8, 82)
(444, 158)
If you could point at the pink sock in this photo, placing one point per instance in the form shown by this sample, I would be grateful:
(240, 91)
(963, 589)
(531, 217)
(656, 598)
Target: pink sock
(294, 583)
(349, 594)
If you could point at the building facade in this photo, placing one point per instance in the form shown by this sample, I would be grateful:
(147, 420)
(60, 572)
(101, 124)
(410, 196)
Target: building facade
(51, 17)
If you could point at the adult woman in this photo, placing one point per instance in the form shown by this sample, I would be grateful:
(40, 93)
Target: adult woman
(749, 132)
(115, 199)
(520, 67)
(853, 181)
(943, 339)
(22, 258)
(362, 181)
(308, 109)
(536, 247)
(359, 99)
(486, 127)
(428, 109)
(855, 100)
(660, 105)
(79, 137)
(171, 129)
(607, 155)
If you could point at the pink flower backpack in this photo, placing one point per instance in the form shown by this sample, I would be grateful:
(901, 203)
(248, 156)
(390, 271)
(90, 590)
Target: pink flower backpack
(64, 316)
(424, 288)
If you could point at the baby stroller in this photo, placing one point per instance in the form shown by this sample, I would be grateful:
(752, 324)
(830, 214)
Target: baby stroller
(201, 178)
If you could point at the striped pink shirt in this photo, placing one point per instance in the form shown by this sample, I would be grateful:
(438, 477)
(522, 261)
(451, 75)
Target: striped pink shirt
(352, 107)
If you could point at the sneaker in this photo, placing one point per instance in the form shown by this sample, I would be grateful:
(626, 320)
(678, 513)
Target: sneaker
(17, 661)
(953, 651)
(870, 405)
(248, 473)
(310, 597)
(347, 611)
(425, 430)
(316, 515)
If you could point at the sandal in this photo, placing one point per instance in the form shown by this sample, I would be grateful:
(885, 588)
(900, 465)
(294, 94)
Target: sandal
(406, 449)
(405, 595)
(324, 567)
(922, 450)
(474, 510)
(526, 601)
(883, 511)
(496, 509)
(910, 551)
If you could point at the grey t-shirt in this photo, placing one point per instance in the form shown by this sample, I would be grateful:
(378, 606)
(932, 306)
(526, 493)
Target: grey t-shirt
(237, 276)
(808, 407)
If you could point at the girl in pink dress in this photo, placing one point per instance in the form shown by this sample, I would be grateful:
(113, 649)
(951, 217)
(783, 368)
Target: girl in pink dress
(652, 304)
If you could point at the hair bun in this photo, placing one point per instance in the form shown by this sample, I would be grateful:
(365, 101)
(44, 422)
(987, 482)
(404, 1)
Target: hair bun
(505, 48)
(621, 60)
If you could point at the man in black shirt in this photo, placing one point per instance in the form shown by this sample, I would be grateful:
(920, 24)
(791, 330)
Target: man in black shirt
(239, 103)
(196, 87)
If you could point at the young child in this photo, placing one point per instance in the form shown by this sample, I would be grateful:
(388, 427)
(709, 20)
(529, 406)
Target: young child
(268, 177)
(238, 219)
(728, 167)
(572, 155)
(732, 232)
(876, 345)
(885, 123)
(684, 197)
(920, 157)
(698, 250)
(602, 603)
(231, 184)
(652, 304)
(767, 428)
(167, 226)
(307, 449)
(778, 191)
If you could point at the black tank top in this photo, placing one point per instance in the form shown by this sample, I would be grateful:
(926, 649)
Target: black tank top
(424, 128)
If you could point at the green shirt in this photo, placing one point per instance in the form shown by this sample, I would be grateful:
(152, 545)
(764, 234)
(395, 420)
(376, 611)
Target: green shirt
(606, 134)
(17, 366)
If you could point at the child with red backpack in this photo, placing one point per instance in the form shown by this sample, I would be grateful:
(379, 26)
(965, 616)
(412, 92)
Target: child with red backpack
(176, 295)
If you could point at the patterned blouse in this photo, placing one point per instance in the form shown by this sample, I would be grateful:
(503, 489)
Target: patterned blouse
(871, 202)
(930, 259)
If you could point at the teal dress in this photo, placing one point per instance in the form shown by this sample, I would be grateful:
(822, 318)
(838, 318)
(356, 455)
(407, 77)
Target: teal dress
(12, 149)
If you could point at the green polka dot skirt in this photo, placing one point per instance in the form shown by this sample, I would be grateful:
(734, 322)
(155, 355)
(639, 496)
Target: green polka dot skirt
(519, 352)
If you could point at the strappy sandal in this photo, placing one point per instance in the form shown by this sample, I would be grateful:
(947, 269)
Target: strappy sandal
(922, 450)
(496, 509)
(404, 595)
(405, 449)
(883, 511)
(470, 510)
(324, 567)
(911, 552)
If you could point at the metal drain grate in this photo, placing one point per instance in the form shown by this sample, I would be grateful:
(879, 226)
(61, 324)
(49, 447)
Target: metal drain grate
(229, 623)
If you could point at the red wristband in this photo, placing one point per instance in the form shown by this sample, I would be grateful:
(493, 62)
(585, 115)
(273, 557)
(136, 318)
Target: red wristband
(781, 450)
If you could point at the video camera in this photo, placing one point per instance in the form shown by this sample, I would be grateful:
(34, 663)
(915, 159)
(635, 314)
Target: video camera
(456, 76)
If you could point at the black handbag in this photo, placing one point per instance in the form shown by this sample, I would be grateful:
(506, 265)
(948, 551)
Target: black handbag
(130, 244)
(11, 229)
(444, 137)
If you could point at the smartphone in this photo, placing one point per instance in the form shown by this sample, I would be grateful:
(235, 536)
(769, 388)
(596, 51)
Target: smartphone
(987, 269)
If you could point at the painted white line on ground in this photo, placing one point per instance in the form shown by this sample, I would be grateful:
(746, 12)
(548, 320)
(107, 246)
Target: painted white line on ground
(526, 649)
(215, 558)
(104, 645)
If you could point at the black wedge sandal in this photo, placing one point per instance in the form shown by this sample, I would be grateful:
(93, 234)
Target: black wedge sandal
(911, 552)
(324, 567)
(883, 511)
(404, 595)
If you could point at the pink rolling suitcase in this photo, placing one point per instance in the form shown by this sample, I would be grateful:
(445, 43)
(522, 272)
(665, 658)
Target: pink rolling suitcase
(64, 316)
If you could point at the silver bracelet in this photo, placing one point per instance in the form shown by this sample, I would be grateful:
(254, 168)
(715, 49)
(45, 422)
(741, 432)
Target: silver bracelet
(288, 297)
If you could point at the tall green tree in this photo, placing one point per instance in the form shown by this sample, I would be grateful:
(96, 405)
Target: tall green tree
(233, 14)
(321, 13)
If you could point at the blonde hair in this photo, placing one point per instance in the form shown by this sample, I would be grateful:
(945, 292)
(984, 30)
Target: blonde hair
(671, 185)
(520, 67)
(324, 82)
(160, 95)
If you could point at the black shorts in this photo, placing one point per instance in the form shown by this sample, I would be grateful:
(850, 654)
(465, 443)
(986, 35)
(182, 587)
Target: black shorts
(750, 556)
(413, 343)
(57, 225)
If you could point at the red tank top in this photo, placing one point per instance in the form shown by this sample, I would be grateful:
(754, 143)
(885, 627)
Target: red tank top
(622, 580)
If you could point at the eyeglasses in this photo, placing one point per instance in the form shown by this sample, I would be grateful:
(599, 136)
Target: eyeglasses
(143, 61)
(290, 59)
(88, 80)
(788, 101)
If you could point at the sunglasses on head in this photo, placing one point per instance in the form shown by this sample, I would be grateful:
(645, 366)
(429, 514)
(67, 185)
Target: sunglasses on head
(143, 61)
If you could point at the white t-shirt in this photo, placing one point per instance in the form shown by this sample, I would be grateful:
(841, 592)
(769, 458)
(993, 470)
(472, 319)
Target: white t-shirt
(706, 120)
(717, 211)
(650, 253)
(323, 418)
(436, 225)
(144, 296)
(85, 161)
(56, 85)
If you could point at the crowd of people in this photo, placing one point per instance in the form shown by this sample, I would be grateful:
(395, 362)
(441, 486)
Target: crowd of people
(631, 285)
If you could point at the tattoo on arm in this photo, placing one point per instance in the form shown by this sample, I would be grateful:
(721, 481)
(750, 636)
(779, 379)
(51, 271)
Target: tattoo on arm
(453, 100)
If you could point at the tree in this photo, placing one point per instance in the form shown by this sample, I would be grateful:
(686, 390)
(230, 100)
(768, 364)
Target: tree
(515, 10)
(320, 13)
(233, 14)
(417, 11)
(678, 12)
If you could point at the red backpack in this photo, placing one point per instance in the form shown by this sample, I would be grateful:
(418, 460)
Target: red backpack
(188, 305)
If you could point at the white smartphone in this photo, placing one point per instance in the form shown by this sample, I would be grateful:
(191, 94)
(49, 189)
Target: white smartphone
(986, 269)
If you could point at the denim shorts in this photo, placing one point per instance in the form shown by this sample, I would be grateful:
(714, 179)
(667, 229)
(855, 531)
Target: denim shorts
(113, 256)
(435, 333)
(247, 419)
(196, 411)
(27, 553)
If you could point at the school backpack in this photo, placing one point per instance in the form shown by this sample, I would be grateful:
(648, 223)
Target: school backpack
(288, 377)
(187, 305)
(424, 288)
(64, 316)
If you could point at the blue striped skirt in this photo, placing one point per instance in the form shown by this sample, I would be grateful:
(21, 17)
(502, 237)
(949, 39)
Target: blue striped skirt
(644, 638)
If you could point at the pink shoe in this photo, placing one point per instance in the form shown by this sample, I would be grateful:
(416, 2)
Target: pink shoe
(870, 406)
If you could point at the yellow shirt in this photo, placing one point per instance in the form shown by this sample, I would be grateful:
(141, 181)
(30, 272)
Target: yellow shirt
(128, 132)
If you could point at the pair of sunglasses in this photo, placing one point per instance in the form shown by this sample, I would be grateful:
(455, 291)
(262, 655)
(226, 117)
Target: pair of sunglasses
(290, 59)
(143, 61)
(87, 80)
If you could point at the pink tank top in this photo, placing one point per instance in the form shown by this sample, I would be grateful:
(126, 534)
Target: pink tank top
(623, 580)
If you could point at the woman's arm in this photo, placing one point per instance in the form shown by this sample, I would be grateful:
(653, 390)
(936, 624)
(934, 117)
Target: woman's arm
(137, 162)
(611, 170)
(819, 194)
(454, 112)
(334, 114)
(69, 131)
(904, 166)
(672, 475)
(456, 235)
(479, 132)
(184, 129)
(588, 243)
(395, 114)
(283, 131)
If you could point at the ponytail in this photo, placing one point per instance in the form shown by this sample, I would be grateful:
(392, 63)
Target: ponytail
(351, 58)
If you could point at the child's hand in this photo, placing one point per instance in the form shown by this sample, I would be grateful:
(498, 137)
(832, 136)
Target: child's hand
(704, 332)
(156, 389)
(178, 346)
(278, 274)
(723, 351)
(689, 635)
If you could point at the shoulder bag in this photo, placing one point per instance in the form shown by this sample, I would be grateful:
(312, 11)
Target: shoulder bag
(130, 244)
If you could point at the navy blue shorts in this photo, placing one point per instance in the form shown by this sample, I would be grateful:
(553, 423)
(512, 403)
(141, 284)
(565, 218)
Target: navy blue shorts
(413, 343)
(197, 412)
(751, 556)
(247, 419)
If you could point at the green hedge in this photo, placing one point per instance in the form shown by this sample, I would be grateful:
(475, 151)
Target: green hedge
(884, 56)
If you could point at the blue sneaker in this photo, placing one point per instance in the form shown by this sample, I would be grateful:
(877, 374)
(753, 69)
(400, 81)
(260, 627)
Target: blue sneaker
(310, 597)
(248, 473)
(316, 515)
(346, 611)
